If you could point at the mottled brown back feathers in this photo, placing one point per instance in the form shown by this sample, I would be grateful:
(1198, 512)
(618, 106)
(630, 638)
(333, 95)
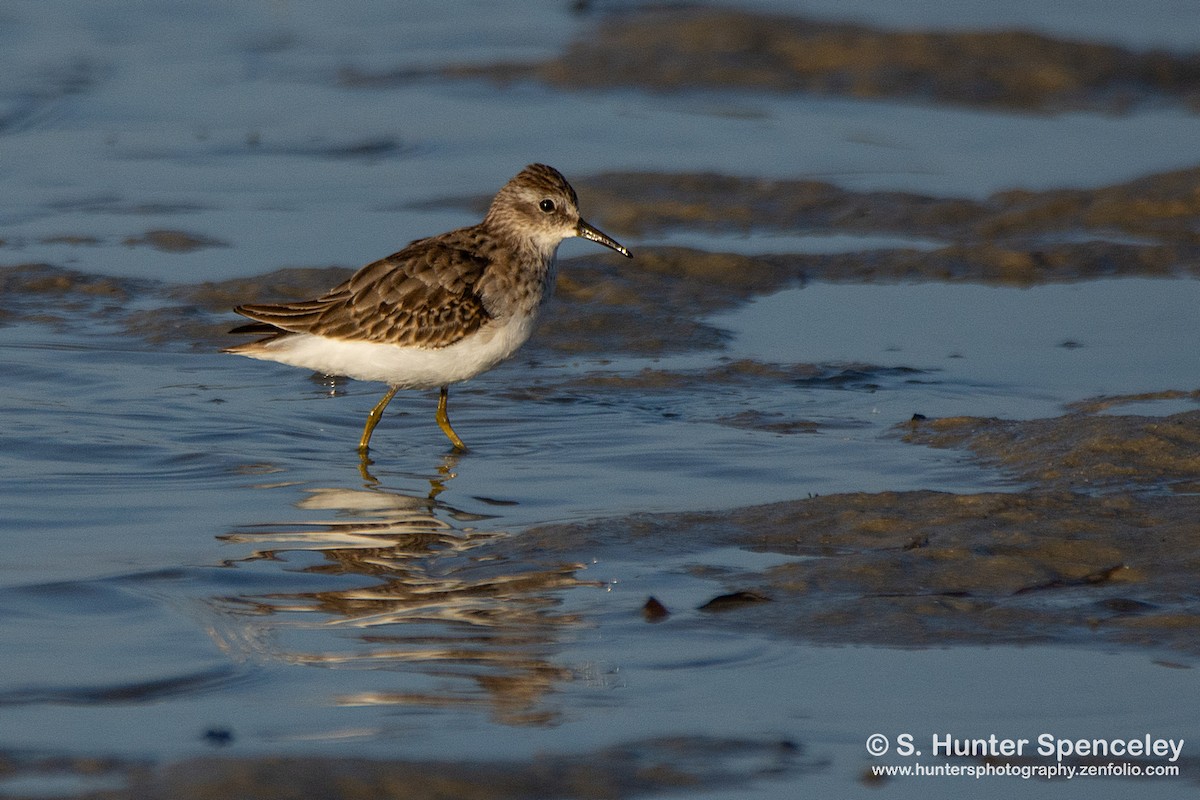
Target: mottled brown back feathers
(423, 296)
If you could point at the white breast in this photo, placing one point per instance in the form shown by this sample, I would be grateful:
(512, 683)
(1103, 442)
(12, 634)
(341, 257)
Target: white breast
(406, 367)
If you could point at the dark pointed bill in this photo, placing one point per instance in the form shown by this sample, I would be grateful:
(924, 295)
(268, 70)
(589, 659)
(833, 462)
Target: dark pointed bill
(596, 235)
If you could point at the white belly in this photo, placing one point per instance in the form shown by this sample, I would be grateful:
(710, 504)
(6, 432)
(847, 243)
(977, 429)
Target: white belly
(406, 367)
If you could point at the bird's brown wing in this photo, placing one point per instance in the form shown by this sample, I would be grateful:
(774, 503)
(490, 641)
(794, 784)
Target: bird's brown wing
(423, 296)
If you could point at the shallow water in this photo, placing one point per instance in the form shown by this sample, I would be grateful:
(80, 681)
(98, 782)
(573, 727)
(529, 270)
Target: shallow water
(197, 563)
(1015, 352)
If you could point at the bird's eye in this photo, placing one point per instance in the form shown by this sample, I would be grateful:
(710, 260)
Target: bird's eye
(546, 205)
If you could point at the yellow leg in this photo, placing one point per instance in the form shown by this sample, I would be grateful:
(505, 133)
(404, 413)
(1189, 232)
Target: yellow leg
(444, 421)
(373, 419)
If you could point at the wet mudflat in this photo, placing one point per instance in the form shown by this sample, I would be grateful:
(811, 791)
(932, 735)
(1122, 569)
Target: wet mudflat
(896, 438)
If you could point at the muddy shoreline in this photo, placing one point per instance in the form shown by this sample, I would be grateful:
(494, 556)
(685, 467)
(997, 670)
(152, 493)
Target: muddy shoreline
(1140, 228)
(682, 49)
(636, 769)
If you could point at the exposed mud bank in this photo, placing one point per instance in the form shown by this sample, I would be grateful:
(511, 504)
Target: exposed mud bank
(656, 303)
(1100, 550)
(929, 568)
(1080, 451)
(637, 769)
(1160, 208)
(667, 50)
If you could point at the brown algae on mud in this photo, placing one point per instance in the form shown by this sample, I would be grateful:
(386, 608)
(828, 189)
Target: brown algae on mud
(1050, 564)
(656, 304)
(642, 768)
(1016, 237)
(665, 50)
(929, 568)
(678, 49)
(173, 241)
(1079, 451)
(1161, 207)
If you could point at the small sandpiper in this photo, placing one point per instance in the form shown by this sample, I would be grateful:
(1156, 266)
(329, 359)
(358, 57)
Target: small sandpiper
(440, 311)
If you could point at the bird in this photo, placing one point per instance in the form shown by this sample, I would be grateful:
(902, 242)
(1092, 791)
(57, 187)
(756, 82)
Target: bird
(441, 310)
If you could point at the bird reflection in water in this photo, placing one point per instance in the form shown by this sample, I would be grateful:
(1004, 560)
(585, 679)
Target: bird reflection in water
(402, 582)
